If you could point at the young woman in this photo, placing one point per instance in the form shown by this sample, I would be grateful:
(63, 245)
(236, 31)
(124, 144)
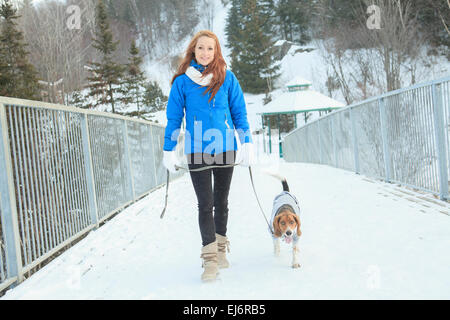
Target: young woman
(212, 99)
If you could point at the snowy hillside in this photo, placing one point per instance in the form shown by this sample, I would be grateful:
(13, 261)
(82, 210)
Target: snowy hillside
(305, 61)
(304, 64)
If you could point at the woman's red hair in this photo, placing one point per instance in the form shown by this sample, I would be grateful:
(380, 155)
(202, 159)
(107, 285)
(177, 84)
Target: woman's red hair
(217, 67)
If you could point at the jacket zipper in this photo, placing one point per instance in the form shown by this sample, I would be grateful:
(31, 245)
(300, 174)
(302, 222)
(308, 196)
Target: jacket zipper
(210, 109)
(226, 121)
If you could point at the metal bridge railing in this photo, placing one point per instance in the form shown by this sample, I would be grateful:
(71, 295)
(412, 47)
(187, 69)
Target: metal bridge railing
(401, 136)
(63, 171)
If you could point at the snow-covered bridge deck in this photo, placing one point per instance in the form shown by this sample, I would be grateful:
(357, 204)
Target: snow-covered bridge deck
(362, 239)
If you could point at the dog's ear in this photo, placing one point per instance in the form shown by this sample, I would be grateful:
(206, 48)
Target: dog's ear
(276, 226)
(297, 221)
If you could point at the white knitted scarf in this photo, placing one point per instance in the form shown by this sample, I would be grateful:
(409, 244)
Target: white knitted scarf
(196, 76)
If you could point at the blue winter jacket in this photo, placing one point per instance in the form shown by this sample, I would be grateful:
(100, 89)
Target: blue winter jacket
(210, 126)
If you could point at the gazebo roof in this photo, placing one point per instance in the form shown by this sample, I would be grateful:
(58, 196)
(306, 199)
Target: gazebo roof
(300, 101)
(298, 81)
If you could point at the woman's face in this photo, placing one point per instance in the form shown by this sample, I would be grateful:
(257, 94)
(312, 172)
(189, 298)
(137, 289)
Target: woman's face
(204, 50)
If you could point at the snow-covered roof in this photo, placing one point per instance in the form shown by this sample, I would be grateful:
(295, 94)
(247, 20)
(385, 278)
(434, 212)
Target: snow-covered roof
(298, 81)
(300, 101)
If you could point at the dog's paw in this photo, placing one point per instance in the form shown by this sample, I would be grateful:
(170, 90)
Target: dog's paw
(296, 265)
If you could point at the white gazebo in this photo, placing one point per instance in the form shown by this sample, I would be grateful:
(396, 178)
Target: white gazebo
(297, 99)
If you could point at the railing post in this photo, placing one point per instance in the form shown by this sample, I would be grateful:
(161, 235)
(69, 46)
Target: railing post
(355, 141)
(8, 206)
(320, 140)
(333, 136)
(383, 128)
(128, 160)
(264, 139)
(152, 139)
(270, 138)
(439, 128)
(88, 167)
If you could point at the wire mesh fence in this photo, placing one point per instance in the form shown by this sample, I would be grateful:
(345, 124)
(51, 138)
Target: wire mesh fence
(401, 136)
(62, 172)
(2, 254)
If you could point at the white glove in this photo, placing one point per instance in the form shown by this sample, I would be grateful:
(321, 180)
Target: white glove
(245, 156)
(170, 161)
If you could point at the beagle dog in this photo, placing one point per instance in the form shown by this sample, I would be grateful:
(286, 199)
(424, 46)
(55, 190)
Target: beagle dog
(285, 221)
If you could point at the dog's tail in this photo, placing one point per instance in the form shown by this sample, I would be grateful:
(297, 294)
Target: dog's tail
(281, 178)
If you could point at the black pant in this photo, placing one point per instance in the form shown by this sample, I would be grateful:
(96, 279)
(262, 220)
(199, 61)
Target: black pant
(210, 197)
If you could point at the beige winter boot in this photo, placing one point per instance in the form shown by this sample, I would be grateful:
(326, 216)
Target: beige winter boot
(223, 245)
(209, 256)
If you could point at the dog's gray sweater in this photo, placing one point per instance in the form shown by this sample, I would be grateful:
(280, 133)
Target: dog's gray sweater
(284, 198)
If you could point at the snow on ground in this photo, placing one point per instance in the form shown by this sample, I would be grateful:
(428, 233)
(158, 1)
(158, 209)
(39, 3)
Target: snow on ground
(362, 239)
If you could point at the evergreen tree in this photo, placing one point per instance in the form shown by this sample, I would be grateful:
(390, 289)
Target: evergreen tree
(294, 19)
(345, 11)
(77, 100)
(134, 80)
(18, 77)
(434, 20)
(233, 29)
(254, 61)
(336, 14)
(154, 98)
(107, 74)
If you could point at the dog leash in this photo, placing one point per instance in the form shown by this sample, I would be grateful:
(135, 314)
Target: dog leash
(192, 170)
(210, 167)
(167, 195)
(257, 199)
